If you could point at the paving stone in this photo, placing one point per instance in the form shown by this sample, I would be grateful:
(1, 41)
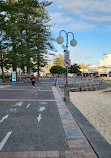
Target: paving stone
(62, 154)
(73, 132)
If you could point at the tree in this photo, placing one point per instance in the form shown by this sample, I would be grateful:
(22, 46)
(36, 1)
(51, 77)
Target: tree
(24, 24)
(74, 68)
(36, 33)
(59, 60)
(57, 69)
(84, 66)
(2, 62)
(10, 32)
(2, 43)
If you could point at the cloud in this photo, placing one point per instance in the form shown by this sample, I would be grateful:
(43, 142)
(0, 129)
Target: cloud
(78, 15)
(79, 58)
(80, 25)
(60, 19)
(97, 18)
(79, 55)
(94, 10)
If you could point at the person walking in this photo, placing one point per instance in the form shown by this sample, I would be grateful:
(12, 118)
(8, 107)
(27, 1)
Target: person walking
(33, 80)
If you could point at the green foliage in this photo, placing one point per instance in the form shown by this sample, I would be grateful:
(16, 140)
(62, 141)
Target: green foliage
(25, 32)
(6, 76)
(59, 60)
(74, 68)
(57, 69)
(84, 66)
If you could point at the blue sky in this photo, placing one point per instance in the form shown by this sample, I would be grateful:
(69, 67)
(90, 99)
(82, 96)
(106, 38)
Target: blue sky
(90, 22)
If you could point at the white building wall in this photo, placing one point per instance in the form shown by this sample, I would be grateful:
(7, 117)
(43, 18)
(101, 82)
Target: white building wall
(105, 67)
(107, 60)
(101, 63)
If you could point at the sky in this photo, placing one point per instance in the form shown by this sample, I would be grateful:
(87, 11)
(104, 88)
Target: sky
(89, 21)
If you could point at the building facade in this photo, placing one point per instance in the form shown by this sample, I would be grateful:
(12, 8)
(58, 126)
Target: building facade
(103, 69)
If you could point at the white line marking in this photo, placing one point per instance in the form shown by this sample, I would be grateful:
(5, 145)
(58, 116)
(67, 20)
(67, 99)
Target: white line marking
(39, 118)
(4, 140)
(25, 89)
(42, 108)
(36, 93)
(3, 118)
(28, 100)
(18, 104)
(28, 105)
(44, 82)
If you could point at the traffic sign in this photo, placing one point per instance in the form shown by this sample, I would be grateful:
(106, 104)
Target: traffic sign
(14, 77)
(66, 55)
(67, 63)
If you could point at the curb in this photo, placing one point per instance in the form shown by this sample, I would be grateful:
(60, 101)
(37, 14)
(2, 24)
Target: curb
(96, 140)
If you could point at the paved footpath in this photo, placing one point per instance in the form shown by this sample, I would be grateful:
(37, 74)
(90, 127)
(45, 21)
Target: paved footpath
(35, 123)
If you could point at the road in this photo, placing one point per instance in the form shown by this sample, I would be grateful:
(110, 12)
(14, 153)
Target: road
(29, 118)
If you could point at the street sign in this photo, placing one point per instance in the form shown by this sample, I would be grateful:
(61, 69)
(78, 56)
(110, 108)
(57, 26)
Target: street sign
(66, 54)
(14, 77)
(64, 47)
(67, 63)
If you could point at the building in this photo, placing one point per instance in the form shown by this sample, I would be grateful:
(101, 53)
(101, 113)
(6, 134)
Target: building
(103, 69)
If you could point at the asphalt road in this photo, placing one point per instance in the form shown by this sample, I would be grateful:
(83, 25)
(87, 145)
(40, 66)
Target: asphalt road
(29, 118)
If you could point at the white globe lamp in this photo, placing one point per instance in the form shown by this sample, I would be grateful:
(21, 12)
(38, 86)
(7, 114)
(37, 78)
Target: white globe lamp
(73, 42)
(60, 40)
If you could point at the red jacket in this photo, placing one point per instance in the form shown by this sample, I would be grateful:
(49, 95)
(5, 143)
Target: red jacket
(32, 78)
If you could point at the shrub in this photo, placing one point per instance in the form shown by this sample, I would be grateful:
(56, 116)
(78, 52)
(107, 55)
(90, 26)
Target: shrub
(6, 76)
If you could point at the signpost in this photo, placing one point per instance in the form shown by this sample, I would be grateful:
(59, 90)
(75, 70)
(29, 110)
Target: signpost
(66, 54)
(14, 77)
(67, 63)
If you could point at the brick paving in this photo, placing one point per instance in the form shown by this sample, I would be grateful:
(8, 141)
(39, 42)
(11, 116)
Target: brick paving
(77, 142)
(79, 147)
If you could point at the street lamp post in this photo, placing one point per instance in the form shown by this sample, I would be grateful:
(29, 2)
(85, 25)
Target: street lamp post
(73, 43)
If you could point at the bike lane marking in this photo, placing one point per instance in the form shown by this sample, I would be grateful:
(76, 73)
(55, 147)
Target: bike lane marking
(5, 140)
(39, 117)
(3, 118)
(28, 105)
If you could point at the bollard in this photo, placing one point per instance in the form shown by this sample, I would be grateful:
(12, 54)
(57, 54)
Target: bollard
(56, 82)
(66, 93)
